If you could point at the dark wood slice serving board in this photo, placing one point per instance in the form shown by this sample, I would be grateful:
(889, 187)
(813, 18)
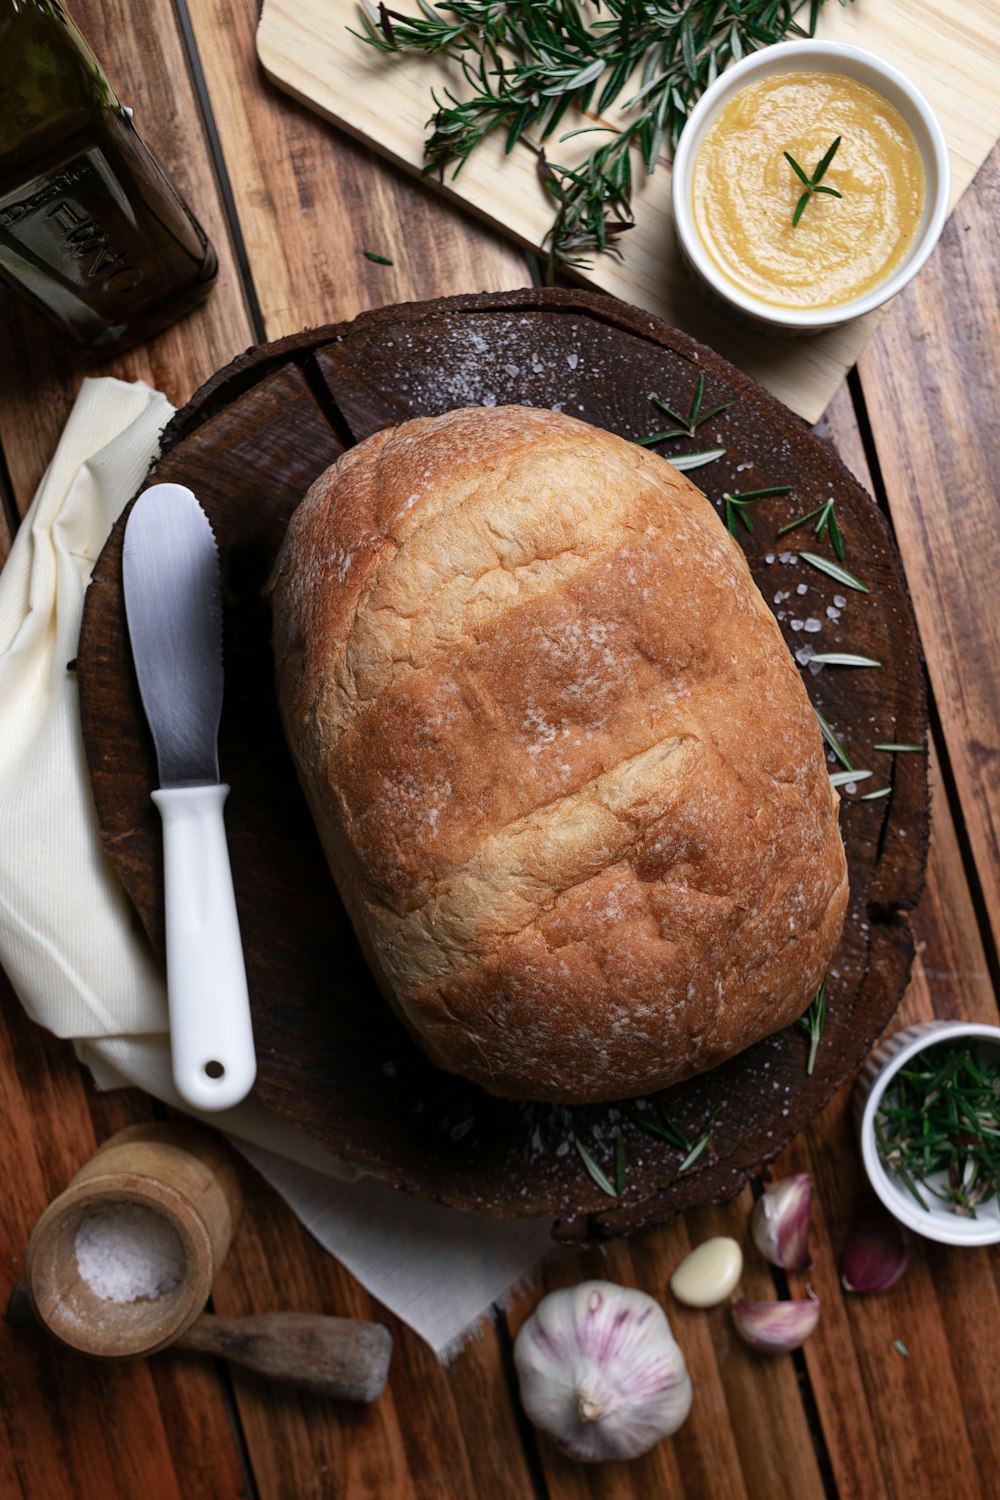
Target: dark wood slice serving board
(332, 1057)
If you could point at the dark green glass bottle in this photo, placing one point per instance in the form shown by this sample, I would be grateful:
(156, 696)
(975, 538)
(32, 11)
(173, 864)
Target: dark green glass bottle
(91, 230)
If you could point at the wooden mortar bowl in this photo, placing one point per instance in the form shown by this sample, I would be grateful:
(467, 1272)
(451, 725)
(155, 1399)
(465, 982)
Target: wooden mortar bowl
(174, 1170)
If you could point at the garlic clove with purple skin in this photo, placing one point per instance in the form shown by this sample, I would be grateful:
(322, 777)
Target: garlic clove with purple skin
(780, 1222)
(776, 1327)
(600, 1371)
(876, 1254)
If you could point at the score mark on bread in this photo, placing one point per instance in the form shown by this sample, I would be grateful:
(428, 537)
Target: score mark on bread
(562, 764)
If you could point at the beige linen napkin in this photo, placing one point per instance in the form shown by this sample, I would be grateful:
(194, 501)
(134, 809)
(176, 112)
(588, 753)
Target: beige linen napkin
(67, 939)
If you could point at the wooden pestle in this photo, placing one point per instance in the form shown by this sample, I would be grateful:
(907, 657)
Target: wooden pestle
(185, 1176)
(341, 1357)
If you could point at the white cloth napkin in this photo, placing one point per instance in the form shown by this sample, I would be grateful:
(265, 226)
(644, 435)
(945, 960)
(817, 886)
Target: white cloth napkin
(67, 939)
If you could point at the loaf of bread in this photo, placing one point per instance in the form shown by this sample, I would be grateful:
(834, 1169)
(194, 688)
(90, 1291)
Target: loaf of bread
(564, 769)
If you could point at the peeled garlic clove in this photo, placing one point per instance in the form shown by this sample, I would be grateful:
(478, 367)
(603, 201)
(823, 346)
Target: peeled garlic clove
(710, 1274)
(600, 1372)
(776, 1327)
(780, 1222)
(876, 1254)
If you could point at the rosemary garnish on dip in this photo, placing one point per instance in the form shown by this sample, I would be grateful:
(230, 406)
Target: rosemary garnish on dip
(941, 1120)
(527, 63)
(812, 184)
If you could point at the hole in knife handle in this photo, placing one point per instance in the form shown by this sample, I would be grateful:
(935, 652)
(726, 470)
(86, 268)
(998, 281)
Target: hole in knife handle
(214, 1070)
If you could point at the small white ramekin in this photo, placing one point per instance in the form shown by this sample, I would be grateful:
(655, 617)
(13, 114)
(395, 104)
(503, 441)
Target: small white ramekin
(936, 1222)
(825, 57)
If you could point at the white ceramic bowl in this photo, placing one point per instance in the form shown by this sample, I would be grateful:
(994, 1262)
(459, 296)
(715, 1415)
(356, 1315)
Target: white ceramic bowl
(825, 57)
(937, 1222)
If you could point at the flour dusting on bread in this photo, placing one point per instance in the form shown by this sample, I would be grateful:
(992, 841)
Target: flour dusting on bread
(565, 772)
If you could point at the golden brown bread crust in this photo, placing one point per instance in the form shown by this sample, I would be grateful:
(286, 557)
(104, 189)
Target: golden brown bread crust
(563, 766)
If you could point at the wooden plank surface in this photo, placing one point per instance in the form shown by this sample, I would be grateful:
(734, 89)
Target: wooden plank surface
(305, 47)
(937, 455)
(852, 1417)
(310, 202)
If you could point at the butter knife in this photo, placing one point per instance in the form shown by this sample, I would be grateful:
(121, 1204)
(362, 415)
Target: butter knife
(170, 568)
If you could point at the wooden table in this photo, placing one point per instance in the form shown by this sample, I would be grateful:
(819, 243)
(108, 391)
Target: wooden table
(292, 206)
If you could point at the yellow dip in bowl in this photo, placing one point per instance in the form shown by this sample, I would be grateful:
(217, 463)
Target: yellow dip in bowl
(744, 192)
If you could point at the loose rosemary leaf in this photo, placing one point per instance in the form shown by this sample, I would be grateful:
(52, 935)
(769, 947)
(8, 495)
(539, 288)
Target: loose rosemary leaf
(684, 461)
(833, 740)
(844, 659)
(834, 570)
(595, 1170)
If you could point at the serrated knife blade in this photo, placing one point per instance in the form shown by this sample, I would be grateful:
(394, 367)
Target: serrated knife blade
(170, 572)
(173, 605)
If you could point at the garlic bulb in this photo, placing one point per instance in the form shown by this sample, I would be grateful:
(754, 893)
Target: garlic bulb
(780, 1222)
(600, 1371)
(776, 1327)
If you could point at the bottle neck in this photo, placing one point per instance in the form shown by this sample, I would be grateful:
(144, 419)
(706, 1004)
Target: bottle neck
(51, 84)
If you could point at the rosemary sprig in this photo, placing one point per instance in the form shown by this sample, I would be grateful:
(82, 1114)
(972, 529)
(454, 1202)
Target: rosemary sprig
(661, 1125)
(736, 502)
(812, 184)
(939, 1126)
(827, 522)
(687, 426)
(379, 260)
(813, 1022)
(526, 64)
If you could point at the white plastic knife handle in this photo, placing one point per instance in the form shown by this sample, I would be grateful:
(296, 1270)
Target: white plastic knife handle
(211, 1036)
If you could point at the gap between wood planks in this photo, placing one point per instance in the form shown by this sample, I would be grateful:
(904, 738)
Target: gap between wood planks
(879, 492)
(223, 1372)
(527, 1434)
(220, 171)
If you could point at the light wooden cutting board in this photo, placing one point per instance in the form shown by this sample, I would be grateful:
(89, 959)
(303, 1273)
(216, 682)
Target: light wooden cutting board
(949, 48)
